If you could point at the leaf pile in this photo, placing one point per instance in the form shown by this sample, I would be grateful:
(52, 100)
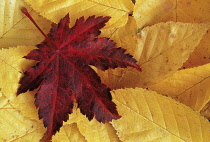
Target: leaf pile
(174, 58)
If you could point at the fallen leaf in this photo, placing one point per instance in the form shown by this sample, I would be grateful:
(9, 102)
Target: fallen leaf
(125, 37)
(153, 117)
(152, 12)
(16, 127)
(162, 50)
(54, 10)
(94, 131)
(13, 22)
(200, 13)
(13, 66)
(63, 73)
(189, 86)
(206, 111)
(69, 133)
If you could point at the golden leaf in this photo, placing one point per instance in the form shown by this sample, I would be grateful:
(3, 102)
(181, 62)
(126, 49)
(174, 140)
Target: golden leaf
(16, 127)
(162, 50)
(151, 12)
(191, 11)
(153, 117)
(189, 86)
(94, 131)
(125, 37)
(54, 10)
(12, 68)
(15, 28)
(195, 12)
(206, 111)
(69, 133)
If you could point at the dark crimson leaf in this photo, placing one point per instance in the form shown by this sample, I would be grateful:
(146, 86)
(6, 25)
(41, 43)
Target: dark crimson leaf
(64, 75)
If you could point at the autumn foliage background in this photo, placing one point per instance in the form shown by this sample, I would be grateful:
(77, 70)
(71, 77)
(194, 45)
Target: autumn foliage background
(168, 38)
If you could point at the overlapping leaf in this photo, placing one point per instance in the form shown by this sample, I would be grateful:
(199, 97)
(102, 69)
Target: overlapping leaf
(125, 37)
(152, 12)
(12, 69)
(69, 133)
(15, 28)
(54, 10)
(16, 127)
(95, 131)
(149, 120)
(189, 86)
(176, 123)
(162, 50)
(206, 111)
(64, 75)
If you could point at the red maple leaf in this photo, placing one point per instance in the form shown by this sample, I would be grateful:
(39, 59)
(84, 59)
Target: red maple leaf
(64, 75)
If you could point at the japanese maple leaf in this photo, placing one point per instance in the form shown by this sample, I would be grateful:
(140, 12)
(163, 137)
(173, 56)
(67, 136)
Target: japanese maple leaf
(64, 75)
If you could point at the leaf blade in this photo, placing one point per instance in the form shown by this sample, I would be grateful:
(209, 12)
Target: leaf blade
(155, 54)
(13, 22)
(54, 10)
(150, 117)
(189, 86)
(24, 129)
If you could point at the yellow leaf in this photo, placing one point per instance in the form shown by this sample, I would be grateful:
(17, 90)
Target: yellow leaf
(56, 9)
(200, 13)
(125, 37)
(69, 133)
(93, 131)
(206, 111)
(200, 55)
(12, 68)
(16, 127)
(150, 12)
(191, 11)
(148, 116)
(162, 50)
(189, 86)
(144, 113)
(15, 28)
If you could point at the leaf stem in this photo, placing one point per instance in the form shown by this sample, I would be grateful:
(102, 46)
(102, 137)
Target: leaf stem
(25, 11)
